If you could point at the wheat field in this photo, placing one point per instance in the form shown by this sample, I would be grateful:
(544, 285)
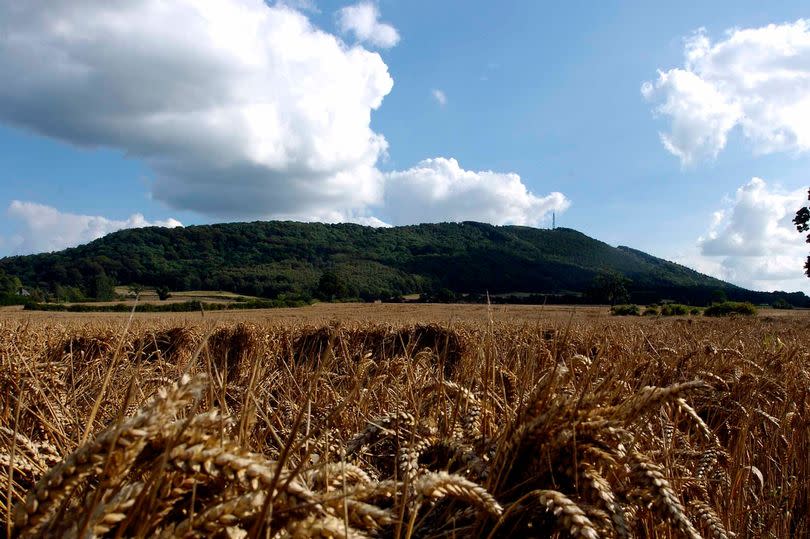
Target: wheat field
(486, 425)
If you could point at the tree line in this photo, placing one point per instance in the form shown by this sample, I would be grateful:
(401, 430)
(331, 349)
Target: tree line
(302, 261)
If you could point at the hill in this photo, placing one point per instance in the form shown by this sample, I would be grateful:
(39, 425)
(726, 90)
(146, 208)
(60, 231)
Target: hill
(289, 259)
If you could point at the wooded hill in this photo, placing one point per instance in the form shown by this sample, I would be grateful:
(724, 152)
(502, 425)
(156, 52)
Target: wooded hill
(341, 261)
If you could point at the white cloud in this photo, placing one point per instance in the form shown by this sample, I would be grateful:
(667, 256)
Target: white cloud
(755, 78)
(440, 190)
(753, 242)
(301, 5)
(248, 112)
(363, 20)
(241, 109)
(439, 96)
(370, 221)
(43, 228)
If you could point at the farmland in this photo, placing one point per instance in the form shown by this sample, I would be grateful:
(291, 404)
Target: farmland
(354, 420)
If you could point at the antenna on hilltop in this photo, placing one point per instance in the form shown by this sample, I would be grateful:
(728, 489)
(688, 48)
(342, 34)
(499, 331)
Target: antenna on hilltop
(553, 220)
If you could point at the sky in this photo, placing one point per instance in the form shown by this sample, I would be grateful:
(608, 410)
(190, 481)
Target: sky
(678, 128)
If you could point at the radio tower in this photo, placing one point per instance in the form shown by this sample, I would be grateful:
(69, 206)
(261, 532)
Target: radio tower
(553, 220)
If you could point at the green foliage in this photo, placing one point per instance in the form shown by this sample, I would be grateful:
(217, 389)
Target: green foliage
(282, 259)
(11, 299)
(609, 287)
(10, 288)
(781, 304)
(650, 311)
(102, 287)
(802, 222)
(731, 308)
(135, 290)
(70, 294)
(331, 287)
(162, 292)
(696, 311)
(675, 309)
(9, 285)
(625, 310)
(443, 295)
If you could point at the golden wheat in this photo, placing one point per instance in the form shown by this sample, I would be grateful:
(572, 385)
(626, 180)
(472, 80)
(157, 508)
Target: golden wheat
(595, 428)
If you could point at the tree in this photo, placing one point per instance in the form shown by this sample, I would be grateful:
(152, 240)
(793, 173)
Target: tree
(135, 290)
(102, 287)
(802, 222)
(719, 296)
(9, 284)
(330, 286)
(609, 288)
(444, 295)
(68, 293)
(162, 293)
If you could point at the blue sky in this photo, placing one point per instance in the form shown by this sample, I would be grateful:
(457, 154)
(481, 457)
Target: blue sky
(541, 109)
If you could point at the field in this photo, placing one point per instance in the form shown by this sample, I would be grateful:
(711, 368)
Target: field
(150, 296)
(322, 313)
(404, 421)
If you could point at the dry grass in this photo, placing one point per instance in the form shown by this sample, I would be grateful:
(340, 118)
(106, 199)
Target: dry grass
(325, 313)
(577, 426)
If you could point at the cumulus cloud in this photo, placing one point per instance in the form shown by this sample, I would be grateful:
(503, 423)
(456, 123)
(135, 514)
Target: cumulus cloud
(241, 109)
(439, 96)
(302, 5)
(757, 79)
(43, 228)
(363, 20)
(440, 190)
(753, 242)
(370, 221)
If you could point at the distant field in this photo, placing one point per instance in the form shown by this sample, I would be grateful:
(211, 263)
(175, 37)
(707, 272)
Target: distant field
(389, 313)
(394, 420)
(318, 313)
(149, 296)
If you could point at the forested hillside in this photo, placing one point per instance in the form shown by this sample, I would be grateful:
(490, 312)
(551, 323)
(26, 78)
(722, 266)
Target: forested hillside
(290, 259)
